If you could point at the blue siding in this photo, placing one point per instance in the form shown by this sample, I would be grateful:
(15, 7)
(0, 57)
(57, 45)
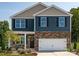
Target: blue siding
(29, 25)
(52, 24)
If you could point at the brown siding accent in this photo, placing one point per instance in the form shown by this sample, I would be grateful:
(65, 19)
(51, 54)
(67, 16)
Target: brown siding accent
(31, 11)
(52, 11)
(52, 35)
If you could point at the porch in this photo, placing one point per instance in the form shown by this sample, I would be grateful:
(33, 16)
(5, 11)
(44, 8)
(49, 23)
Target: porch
(26, 40)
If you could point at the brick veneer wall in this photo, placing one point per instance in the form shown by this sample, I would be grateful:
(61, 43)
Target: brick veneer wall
(52, 35)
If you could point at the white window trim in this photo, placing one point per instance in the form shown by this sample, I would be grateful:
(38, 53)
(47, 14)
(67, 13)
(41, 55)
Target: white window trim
(41, 21)
(20, 24)
(16, 25)
(59, 22)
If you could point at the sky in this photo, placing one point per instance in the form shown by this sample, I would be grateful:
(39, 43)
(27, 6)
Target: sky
(7, 9)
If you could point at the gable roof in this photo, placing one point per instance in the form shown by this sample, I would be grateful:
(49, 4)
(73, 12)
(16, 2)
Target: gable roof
(28, 12)
(53, 10)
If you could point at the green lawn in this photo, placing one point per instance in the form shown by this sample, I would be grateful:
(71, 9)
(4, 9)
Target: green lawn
(15, 53)
(12, 54)
(7, 54)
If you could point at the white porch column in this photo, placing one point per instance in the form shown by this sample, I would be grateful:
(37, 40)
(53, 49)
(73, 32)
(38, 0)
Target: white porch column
(9, 43)
(25, 41)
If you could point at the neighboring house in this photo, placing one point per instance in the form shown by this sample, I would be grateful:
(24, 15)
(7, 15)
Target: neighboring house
(42, 27)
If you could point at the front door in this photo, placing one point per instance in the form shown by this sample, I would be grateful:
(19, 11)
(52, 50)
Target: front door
(31, 40)
(32, 43)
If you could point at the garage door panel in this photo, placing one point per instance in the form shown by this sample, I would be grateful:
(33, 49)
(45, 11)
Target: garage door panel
(59, 44)
(52, 44)
(44, 44)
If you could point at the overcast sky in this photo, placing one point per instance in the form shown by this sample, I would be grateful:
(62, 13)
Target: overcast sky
(9, 8)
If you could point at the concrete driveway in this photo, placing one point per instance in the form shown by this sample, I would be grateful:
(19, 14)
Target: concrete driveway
(65, 53)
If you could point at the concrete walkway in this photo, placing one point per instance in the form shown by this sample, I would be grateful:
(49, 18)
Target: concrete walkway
(56, 54)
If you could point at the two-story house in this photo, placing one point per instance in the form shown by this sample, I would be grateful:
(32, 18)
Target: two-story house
(42, 27)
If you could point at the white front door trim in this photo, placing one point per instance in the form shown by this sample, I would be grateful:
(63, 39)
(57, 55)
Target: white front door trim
(9, 44)
(25, 41)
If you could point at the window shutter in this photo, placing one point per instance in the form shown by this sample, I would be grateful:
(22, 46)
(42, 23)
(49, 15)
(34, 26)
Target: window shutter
(47, 21)
(38, 21)
(26, 23)
(13, 23)
(65, 21)
(57, 21)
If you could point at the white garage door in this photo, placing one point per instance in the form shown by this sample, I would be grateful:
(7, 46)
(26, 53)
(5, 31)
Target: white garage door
(52, 44)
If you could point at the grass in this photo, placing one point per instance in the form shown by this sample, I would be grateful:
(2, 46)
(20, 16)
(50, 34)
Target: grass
(7, 54)
(10, 54)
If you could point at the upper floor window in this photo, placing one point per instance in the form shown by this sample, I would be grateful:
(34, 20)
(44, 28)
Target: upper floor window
(43, 21)
(20, 23)
(61, 22)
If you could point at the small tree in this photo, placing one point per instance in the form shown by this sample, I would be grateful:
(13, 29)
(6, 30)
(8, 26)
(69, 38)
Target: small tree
(12, 36)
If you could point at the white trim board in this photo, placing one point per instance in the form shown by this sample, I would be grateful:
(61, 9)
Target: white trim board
(23, 32)
(34, 24)
(23, 17)
(28, 9)
(70, 24)
(52, 15)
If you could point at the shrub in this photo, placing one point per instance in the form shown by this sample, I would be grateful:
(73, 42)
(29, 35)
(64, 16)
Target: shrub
(34, 54)
(77, 51)
(21, 51)
(28, 50)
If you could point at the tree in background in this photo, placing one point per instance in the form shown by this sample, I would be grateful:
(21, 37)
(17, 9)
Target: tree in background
(4, 27)
(6, 34)
(75, 25)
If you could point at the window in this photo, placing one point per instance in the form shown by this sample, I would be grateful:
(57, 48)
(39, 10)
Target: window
(22, 39)
(61, 22)
(23, 23)
(17, 23)
(20, 23)
(43, 21)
